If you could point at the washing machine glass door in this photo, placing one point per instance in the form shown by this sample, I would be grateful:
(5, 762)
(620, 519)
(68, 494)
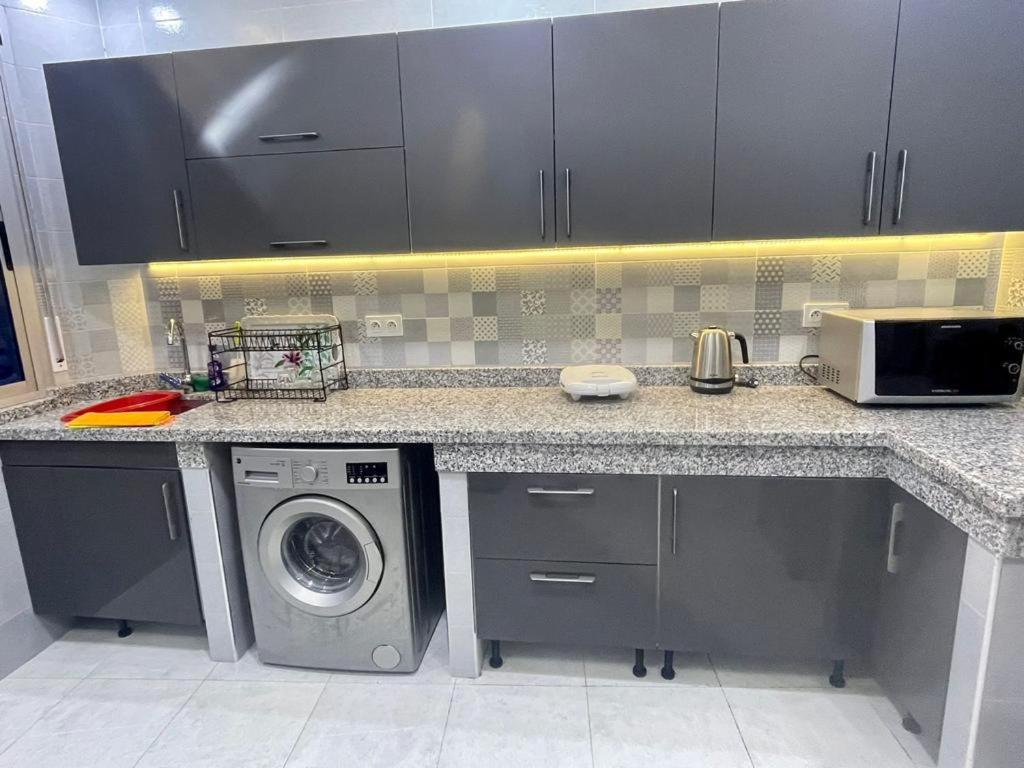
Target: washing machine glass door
(320, 555)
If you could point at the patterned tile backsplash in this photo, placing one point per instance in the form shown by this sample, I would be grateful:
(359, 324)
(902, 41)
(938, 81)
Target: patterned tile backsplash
(633, 312)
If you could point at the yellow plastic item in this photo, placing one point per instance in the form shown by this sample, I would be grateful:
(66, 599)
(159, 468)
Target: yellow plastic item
(128, 419)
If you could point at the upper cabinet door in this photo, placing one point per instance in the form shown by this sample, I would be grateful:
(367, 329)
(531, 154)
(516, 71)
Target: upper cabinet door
(635, 125)
(956, 158)
(803, 109)
(121, 154)
(311, 203)
(291, 97)
(478, 136)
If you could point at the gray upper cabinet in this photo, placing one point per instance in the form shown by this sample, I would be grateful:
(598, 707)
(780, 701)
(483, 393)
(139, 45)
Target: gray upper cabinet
(477, 105)
(635, 125)
(956, 159)
(311, 203)
(291, 97)
(121, 154)
(803, 105)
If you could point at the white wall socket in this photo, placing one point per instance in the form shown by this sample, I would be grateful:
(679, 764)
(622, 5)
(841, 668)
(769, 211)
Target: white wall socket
(384, 325)
(813, 310)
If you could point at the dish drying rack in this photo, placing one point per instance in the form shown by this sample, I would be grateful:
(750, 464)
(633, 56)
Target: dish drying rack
(279, 363)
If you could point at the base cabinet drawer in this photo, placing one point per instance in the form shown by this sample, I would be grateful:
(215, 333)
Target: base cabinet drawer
(560, 602)
(586, 518)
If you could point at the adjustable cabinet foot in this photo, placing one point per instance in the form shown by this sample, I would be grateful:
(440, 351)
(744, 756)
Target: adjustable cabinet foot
(496, 661)
(667, 670)
(838, 679)
(124, 629)
(639, 670)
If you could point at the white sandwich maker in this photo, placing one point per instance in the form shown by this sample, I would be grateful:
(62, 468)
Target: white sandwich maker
(597, 381)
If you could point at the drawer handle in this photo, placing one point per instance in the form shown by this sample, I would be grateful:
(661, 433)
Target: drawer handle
(534, 491)
(171, 512)
(299, 244)
(301, 136)
(564, 578)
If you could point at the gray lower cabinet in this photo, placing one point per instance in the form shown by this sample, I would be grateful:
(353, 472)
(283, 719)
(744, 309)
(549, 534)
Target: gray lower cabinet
(103, 530)
(786, 567)
(565, 558)
(122, 159)
(290, 97)
(803, 110)
(477, 110)
(956, 160)
(635, 125)
(920, 597)
(565, 602)
(307, 203)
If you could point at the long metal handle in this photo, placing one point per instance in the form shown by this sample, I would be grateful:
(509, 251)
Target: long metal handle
(301, 136)
(179, 213)
(543, 216)
(901, 185)
(892, 563)
(675, 517)
(869, 187)
(170, 510)
(534, 491)
(299, 244)
(564, 578)
(568, 202)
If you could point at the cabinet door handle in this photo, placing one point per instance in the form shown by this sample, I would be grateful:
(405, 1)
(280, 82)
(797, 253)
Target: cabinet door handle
(869, 187)
(543, 216)
(179, 214)
(892, 563)
(299, 244)
(675, 517)
(564, 578)
(534, 491)
(901, 185)
(171, 511)
(300, 136)
(568, 202)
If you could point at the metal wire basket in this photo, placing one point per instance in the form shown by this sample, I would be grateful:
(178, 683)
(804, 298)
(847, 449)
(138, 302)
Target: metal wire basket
(279, 363)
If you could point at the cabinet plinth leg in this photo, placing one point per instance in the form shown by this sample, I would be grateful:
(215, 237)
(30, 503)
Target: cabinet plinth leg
(124, 629)
(639, 670)
(667, 670)
(838, 677)
(495, 661)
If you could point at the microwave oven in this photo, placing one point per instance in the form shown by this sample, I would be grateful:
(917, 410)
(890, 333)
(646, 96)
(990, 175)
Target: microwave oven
(922, 355)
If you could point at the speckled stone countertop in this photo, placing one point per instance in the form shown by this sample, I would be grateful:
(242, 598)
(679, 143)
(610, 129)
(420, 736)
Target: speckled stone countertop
(968, 463)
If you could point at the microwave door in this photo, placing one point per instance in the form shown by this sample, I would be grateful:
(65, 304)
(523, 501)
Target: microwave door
(946, 357)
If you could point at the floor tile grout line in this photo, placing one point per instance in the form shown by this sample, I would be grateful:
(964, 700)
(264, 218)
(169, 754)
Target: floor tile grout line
(736, 722)
(171, 719)
(590, 727)
(444, 730)
(46, 711)
(305, 725)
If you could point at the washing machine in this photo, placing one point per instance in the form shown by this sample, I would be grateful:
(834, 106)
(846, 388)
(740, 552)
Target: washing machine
(342, 553)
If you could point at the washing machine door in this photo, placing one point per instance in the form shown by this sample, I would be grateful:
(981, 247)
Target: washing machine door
(320, 555)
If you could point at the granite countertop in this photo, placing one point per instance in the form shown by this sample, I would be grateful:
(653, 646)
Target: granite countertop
(978, 451)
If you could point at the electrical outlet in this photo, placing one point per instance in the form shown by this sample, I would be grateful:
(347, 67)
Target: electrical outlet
(384, 325)
(813, 310)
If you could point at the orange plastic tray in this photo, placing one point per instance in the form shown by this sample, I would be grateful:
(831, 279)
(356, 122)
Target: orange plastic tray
(157, 400)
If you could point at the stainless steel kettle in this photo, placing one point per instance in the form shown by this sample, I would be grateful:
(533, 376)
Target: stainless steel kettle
(711, 368)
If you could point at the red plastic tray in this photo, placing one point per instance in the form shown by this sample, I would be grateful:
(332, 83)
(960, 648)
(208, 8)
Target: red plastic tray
(141, 401)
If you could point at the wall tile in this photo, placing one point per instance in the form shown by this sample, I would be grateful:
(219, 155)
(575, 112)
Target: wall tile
(449, 13)
(82, 11)
(36, 39)
(124, 40)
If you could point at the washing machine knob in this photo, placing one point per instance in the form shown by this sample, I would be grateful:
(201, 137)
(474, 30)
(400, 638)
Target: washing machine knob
(308, 474)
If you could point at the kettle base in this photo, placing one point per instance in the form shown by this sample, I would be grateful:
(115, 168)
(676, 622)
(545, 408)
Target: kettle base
(713, 386)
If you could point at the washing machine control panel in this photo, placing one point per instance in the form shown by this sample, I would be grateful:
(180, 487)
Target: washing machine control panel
(307, 473)
(366, 472)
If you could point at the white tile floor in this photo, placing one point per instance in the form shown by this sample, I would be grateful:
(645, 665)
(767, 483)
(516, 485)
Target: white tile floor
(155, 700)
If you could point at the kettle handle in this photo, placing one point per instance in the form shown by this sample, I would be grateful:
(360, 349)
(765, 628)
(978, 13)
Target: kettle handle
(743, 347)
